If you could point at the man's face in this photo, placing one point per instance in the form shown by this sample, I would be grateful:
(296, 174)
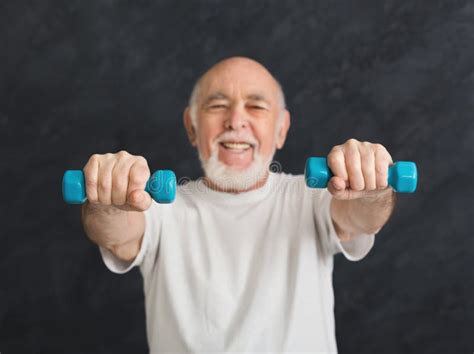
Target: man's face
(239, 115)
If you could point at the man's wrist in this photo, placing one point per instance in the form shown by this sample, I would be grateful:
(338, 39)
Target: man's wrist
(364, 215)
(370, 213)
(126, 252)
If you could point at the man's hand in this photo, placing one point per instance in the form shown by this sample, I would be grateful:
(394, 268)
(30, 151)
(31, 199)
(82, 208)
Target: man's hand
(360, 170)
(363, 201)
(113, 214)
(117, 180)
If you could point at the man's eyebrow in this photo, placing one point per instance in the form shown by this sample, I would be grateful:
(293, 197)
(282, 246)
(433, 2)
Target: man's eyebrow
(222, 96)
(258, 97)
(215, 96)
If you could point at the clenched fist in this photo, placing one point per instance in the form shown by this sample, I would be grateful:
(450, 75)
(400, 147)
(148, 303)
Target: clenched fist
(360, 169)
(117, 180)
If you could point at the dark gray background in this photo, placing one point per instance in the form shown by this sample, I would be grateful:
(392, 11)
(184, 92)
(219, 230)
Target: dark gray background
(84, 77)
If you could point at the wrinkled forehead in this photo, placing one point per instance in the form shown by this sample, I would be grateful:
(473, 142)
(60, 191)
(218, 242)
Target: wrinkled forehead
(239, 82)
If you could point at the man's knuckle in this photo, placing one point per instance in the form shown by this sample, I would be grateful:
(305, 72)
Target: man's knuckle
(93, 161)
(381, 175)
(105, 184)
(352, 154)
(141, 160)
(379, 148)
(352, 142)
(94, 158)
(365, 155)
(122, 154)
(93, 199)
(140, 174)
(87, 170)
(367, 146)
(91, 183)
(108, 156)
(120, 183)
(334, 158)
(380, 169)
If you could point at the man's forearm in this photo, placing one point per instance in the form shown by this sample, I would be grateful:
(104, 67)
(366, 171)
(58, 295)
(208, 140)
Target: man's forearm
(362, 216)
(119, 231)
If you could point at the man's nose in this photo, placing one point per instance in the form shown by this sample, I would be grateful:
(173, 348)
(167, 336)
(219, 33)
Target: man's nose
(237, 119)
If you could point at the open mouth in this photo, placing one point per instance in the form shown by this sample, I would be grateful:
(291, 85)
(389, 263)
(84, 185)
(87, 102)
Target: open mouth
(237, 154)
(236, 146)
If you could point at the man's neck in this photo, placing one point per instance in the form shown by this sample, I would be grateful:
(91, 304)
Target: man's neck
(257, 185)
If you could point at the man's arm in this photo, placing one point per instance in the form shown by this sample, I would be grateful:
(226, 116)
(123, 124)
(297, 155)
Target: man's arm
(362, 216)
(113, 215)
(119, 231)
(362, 200)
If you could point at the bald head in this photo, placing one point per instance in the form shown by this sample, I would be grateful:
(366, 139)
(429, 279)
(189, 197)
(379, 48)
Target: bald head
(238, 70)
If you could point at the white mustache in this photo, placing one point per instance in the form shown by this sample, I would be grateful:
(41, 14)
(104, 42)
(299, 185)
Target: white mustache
(234, 136)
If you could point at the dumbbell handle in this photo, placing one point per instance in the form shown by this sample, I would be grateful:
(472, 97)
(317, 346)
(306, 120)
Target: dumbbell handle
(161, 186)
(402, 176)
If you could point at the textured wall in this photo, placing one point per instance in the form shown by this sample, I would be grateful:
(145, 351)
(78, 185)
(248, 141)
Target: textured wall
(79, 77)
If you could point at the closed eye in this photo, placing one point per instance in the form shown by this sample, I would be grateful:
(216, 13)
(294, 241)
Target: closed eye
(257, 107)
(218, 106)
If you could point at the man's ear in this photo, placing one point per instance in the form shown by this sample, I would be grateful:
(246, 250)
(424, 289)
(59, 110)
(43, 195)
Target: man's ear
(188, 125)
(283, 129)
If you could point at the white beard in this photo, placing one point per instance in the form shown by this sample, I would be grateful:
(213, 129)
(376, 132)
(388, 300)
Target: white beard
(229, 179)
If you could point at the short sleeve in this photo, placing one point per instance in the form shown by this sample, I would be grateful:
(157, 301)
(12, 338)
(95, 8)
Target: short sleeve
(148, 246)
(355, 249)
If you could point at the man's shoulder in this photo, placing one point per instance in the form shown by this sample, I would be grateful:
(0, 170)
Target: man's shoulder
(288, 177)
(287, 183)
(283, 177)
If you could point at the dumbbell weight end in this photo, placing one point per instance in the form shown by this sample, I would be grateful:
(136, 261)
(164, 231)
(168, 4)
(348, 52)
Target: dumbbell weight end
(402, 176)
(161, 186)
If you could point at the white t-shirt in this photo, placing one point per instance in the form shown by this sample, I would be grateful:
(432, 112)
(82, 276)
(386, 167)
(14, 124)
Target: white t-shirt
(248, 272)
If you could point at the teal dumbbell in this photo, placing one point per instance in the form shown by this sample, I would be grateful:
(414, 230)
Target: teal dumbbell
(402, 176)
(161, 186)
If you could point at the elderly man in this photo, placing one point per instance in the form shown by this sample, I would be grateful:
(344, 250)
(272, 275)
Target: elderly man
(243, 260)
